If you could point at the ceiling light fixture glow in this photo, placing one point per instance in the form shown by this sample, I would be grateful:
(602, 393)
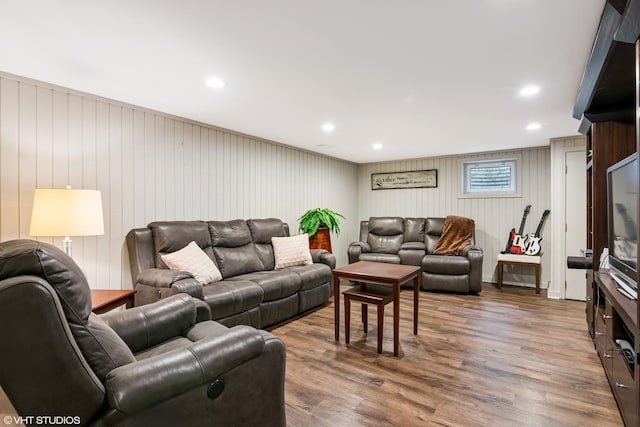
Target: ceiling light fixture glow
(216, 83)
(529, 90)
(377, 146)
(328, 127)
(534, 126)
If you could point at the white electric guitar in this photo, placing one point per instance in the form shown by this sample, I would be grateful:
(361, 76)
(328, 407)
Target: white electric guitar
(533, 245)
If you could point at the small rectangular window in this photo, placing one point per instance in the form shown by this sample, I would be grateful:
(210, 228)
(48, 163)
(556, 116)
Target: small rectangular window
(489, 177)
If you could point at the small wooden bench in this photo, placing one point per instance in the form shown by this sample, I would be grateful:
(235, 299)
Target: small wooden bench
(367, 293)
(523, 260)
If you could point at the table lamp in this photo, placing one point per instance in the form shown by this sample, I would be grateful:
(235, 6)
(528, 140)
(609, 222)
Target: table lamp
(65, 212)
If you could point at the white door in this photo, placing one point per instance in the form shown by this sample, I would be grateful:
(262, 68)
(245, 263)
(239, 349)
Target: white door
(575, 210)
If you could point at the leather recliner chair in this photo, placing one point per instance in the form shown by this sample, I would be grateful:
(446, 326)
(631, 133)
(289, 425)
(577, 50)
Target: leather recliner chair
(453, 273)
(150, 365)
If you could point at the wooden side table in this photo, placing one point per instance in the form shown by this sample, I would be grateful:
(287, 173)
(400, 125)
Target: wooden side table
(379, 273)
(524, 260)
(103, 300)
(367, 293)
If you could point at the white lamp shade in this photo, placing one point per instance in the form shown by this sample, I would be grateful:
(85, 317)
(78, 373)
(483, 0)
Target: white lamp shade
(66, 212)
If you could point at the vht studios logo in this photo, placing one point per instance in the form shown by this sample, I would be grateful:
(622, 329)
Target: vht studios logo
(42, 420)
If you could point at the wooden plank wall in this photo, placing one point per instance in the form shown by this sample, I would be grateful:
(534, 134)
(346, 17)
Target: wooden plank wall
(494, 216)
(151, 166)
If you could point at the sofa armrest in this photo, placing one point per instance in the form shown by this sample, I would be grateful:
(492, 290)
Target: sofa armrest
(323, 256)
(181, 281)
(474, 254)
(203, 310)
(147, 325)
(134, 387)
(471, 250)
(364, 246)
(355, 249)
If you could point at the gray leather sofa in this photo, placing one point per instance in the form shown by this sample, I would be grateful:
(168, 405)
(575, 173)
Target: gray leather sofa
(153, 365)
(251, 292)
(412, 241)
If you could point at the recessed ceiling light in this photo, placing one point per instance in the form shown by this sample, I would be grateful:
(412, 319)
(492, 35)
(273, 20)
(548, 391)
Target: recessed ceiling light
(534, 126)
(377, 146)
(529, 90)
(328, 127)
(216, 83)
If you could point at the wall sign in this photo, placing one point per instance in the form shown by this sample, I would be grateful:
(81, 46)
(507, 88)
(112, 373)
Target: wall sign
(412, 179)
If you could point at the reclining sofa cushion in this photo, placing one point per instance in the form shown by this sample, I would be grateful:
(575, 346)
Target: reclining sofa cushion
(414, 229)
(385, 234)
(262, 230)
(171, 236)
(233, 248)
(230, 297)
(379, 257)
(103, 349)
(312, 276)
(433, 231)
(446, 264)
(275, 284)
(193, 260)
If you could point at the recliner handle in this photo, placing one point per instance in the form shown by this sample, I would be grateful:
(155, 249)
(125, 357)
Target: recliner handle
(215, 389)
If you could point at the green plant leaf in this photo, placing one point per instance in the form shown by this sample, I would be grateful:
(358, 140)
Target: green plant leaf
(312, 219)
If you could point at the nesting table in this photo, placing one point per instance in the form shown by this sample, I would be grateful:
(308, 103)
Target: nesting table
(379, 273)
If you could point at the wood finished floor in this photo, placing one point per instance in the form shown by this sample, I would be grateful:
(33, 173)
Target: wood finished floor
(502, 358)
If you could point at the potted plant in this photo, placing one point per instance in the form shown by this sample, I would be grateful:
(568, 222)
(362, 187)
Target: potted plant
(318, 224)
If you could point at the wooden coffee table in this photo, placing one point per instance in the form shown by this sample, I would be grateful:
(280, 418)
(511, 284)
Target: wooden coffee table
(379, 273)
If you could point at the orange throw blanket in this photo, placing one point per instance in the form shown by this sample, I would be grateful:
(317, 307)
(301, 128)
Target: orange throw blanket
(456, 234)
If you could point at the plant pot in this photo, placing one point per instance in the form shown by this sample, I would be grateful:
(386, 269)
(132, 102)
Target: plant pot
(321, 240)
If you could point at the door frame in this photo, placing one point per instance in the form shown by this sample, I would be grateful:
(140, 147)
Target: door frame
(559, 149)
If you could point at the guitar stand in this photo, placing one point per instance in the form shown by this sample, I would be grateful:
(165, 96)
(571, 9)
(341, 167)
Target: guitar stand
(522, 260)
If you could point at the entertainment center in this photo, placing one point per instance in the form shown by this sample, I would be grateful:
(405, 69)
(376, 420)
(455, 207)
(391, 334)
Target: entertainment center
(607, 106)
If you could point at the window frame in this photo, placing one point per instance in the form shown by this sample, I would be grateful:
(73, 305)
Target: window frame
(468, 163)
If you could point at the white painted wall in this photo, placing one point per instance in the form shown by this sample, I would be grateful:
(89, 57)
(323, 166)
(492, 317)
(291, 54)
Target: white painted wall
(494, 217)
(151, 166)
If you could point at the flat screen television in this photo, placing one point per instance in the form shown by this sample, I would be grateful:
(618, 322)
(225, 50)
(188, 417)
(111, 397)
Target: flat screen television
(622, 200)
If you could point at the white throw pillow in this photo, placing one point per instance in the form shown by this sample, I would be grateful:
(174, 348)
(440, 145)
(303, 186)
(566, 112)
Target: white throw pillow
(290, 251)
(193, 260)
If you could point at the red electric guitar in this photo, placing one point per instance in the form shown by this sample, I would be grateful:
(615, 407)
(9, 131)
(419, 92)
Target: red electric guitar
(516, 242)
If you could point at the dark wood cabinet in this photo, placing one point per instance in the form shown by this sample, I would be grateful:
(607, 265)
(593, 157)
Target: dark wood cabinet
(611, 142)
(608, 109)
(614, 322)
(592, 291)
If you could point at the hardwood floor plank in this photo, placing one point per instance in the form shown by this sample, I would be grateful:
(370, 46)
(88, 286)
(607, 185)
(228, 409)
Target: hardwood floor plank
(505, 357)
(501, 358)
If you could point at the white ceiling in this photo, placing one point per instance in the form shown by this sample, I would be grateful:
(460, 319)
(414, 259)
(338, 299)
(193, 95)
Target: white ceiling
(422, 77)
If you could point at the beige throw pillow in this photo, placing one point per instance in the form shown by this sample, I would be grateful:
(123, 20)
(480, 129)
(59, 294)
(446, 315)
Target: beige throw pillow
(193, 260)
(290, 251)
